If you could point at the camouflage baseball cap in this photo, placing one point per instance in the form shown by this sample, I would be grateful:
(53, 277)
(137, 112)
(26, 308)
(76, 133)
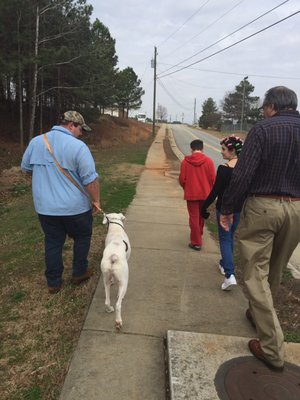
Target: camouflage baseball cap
(74, 116)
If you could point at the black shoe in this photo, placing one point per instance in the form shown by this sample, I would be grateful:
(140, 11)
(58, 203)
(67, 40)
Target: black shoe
(194, 247)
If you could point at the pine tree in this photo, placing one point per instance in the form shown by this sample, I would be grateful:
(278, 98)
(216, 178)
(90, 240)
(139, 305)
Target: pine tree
(239, 102)
(128, 91)
(210, 116)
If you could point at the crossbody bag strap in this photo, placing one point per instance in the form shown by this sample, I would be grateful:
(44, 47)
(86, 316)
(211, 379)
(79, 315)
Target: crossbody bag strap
(65, 173)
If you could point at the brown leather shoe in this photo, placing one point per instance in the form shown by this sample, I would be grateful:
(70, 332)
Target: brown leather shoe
(250, 318)
(77, 280)
(256, 350)
(54, 289)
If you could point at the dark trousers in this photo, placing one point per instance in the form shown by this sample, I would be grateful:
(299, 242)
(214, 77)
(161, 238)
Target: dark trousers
(55, 229)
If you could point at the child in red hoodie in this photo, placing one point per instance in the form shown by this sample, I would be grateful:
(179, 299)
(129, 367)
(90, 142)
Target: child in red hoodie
(197, 176)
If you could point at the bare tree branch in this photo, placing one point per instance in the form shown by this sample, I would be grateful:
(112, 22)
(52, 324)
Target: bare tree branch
(59, 35)
(47, 8)
(58, 87)
(92, 85)
(60, 63)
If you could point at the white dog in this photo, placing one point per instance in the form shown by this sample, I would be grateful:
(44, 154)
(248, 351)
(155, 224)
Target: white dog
(114, 264)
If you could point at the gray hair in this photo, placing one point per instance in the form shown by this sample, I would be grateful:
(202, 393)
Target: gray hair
(281, 97)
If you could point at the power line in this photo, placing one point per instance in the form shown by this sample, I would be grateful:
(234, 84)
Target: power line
(207, 27)
(232, 45)
(178, 29)
(238, 74)
(170, 95)
(230, 34)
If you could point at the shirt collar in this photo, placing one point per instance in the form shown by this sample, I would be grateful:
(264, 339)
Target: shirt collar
(61, 129)
(287, 112)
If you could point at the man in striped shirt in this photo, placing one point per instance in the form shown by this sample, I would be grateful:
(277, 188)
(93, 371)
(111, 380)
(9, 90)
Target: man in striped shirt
(268, 175)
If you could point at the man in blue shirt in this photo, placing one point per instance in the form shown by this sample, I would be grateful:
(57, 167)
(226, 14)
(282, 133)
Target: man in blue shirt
(65, 204)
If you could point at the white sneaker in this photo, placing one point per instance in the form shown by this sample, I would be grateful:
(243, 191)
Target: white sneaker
(229, 283)
(221, 269)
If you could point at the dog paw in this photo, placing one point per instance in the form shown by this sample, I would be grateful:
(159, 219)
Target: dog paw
(109, 309)
(118, 325)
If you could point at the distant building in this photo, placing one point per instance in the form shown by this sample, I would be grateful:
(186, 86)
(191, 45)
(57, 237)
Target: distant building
(116, 112)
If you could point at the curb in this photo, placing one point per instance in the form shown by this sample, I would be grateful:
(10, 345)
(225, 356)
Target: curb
(173, 145)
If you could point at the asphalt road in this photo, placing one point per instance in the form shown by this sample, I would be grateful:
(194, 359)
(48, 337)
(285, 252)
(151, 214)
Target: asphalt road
(184, 134)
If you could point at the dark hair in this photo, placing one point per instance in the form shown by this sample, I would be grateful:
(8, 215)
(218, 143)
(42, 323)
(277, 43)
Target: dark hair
(62, 121)
(281, 97)
(233, 143)
(196, 145)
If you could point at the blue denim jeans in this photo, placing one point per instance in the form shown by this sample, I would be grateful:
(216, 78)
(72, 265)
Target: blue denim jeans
(56, 228)
(226, 240)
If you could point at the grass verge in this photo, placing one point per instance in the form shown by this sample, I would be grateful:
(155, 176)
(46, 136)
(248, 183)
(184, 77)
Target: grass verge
(38, 331)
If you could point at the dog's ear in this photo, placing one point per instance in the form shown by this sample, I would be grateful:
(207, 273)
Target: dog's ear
(105, 220)
(122, 217)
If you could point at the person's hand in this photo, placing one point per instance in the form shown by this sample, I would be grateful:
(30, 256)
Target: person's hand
(96, 208)
(204, 213)
(226, 221)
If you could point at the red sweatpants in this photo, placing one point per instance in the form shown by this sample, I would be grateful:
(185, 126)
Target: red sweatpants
(196, 221)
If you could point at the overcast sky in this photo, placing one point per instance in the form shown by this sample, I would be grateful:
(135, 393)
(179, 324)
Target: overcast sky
(180, 29)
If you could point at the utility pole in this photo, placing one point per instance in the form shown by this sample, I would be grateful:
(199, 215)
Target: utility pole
(153, 65)
(243, 102)
(195, 116)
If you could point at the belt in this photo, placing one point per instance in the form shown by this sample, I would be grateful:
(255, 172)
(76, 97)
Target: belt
(276, 197)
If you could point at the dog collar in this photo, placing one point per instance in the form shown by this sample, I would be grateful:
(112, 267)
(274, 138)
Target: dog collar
(113, 222)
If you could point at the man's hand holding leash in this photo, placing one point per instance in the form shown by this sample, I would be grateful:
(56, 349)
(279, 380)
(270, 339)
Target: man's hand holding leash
(96, 208)
(93, 189)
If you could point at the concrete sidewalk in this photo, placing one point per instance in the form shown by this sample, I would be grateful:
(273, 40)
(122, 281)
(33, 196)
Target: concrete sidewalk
(171, 288)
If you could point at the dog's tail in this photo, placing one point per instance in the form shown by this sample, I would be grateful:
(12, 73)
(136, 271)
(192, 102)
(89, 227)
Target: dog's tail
(114, 258)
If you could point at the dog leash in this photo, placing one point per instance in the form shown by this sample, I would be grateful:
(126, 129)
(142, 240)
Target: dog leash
(65, 173)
